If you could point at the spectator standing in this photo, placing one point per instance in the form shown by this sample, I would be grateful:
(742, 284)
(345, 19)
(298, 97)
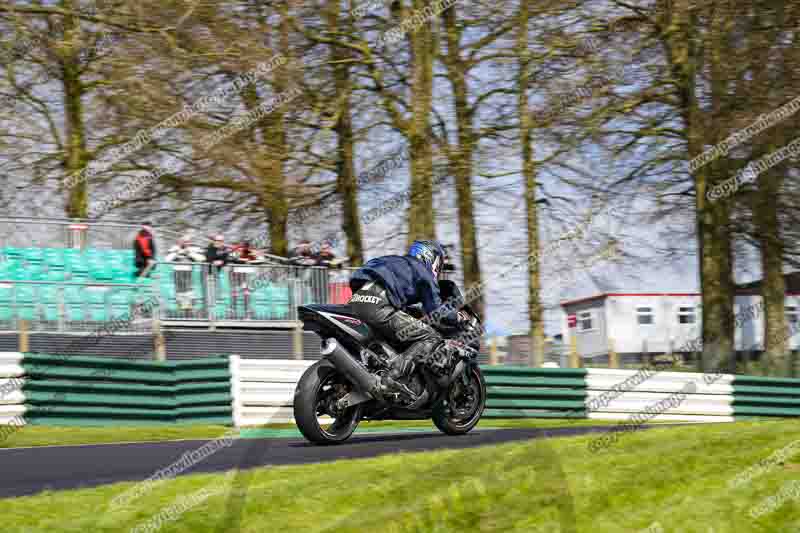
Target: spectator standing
(217, 254)
(184, 252)
(244, 254)
(303, 254)
(144, 247)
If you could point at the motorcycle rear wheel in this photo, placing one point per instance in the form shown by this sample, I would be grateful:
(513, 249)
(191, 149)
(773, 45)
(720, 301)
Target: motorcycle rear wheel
(318, 389)
(462, 407)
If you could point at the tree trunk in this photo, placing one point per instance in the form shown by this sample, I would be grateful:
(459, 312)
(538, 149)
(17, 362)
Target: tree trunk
(77, 201)
(346, 180)
(274, 197)
(712, 219)
(773, 290)
(421, 220)
(535, 310)
(461, 159)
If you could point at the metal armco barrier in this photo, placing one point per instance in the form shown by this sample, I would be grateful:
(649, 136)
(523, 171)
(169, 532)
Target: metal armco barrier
(521, 392)
(263, 390)
(762, 396)
(12, 400)
(61, 390)
(67, 391)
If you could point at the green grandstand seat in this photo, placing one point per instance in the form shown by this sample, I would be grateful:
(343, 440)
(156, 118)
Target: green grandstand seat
(101, 274)
(98, 313)
(55, 274)
(50, 312)
(6, 313)
(80, 277)
(96, 295)
(54, 257)
(13, 254)
(26, 312)
(25, 294)
(75, 312)
(36, 272)
(73, 294)
(18, 274)
(49, 294)
(33, 255)
(6, 293)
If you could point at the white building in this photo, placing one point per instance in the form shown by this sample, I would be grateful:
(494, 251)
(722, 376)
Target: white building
(658, 323)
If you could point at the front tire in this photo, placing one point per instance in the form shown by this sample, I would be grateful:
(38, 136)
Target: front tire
(316, 394)
(463, 405)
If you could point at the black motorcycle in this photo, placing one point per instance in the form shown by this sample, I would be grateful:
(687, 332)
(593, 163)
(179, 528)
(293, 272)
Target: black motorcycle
(346, 385)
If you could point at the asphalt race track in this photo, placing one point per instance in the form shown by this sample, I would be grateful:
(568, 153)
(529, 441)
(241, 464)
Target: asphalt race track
(28, 471)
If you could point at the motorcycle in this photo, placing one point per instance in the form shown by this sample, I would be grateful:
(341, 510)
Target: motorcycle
(347, 384)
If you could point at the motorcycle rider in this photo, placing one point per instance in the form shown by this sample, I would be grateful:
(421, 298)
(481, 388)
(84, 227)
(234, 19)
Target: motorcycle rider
(385, 286)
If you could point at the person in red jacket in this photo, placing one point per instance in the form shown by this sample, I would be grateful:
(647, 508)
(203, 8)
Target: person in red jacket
(144, 247)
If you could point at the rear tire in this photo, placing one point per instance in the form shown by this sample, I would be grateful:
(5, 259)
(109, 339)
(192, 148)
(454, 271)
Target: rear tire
(461, 409)
(320, 385)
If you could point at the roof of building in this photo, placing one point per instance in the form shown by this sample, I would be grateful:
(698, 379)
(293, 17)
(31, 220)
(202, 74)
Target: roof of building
(792, 289)
(607, 294)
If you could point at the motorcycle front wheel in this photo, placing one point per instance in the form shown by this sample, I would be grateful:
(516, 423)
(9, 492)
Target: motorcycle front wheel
(463, 404)
(315, 411)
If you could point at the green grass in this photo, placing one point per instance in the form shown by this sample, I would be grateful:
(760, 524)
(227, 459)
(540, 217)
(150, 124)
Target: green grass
(677, 477)
(55, 435)
(63, 435)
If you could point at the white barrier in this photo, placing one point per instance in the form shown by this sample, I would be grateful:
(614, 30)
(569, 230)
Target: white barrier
(263, 389)
(11, 365)
(12, 397)
(610, 397)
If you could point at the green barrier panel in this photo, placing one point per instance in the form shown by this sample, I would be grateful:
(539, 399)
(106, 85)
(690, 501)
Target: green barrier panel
(578, 383)
(758, 396)
(746, 400)
(105, 422)
(60, 386)
(760, 380)
(521, 392)
(508, 403)
(764, 411)
(527, 371)
(105, 411)
(110, 400)
(764, 391)
(530, 413)
(100, 390)
(221, 398)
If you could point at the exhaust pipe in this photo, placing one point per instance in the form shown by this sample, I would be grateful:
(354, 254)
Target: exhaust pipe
(352, 369)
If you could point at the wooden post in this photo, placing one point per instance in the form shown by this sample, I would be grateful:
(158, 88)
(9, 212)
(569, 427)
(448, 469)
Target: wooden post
(493, 351)
(298, 341)
(159, 345)
(24, 337)
(613, 356)
(574, 358)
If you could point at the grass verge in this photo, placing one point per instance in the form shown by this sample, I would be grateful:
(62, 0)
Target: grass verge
(678, 477)
(62, 435)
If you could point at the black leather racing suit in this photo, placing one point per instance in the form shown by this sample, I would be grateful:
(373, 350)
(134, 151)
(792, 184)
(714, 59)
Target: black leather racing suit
(382, 289)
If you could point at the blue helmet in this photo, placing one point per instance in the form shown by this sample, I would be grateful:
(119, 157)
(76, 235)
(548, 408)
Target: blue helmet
(429, 252)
